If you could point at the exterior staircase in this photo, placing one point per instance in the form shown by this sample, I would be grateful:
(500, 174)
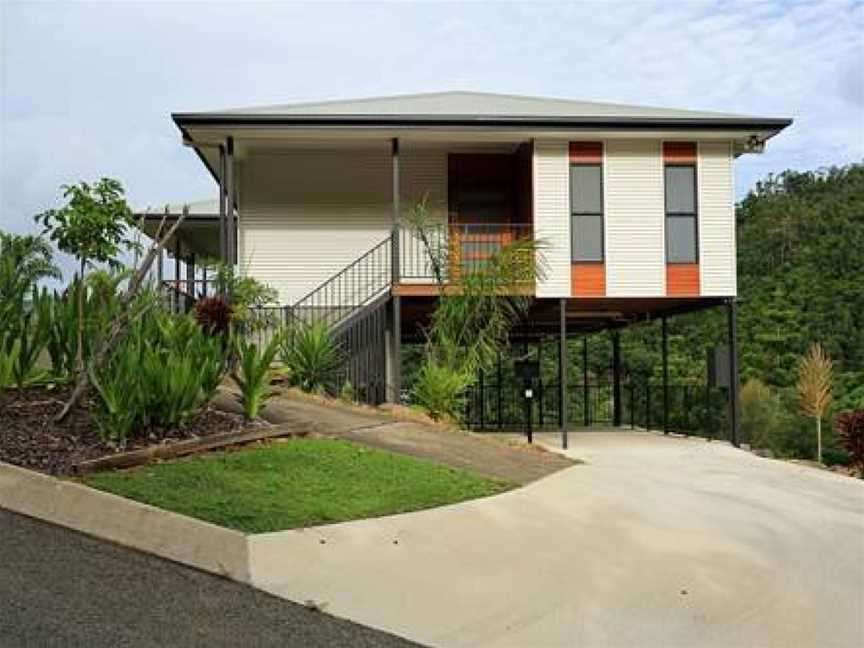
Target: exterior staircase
(353, 304)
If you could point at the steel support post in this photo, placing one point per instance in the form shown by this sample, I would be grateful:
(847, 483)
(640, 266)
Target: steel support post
(586, 414)
(230, 193)
(665, 341)
(616, 379)
(734, 404)
(562, 371)
(395, 252)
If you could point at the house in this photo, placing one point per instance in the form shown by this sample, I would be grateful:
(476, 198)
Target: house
(635, 206)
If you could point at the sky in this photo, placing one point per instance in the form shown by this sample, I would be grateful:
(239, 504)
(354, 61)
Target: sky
(86, 89)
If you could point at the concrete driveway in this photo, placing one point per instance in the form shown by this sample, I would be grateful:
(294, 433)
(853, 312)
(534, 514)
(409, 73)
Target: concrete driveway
(656, 541)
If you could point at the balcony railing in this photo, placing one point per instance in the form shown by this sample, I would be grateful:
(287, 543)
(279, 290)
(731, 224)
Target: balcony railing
(453, 249)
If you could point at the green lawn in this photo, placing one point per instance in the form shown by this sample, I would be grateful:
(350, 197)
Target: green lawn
(299, 483)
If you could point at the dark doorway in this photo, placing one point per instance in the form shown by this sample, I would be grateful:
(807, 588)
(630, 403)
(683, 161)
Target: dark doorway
(481, 188)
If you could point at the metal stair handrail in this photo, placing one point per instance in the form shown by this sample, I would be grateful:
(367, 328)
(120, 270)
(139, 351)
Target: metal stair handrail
(349, 290)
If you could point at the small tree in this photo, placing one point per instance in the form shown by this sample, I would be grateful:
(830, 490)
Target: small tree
(814, 388)
(94, 227)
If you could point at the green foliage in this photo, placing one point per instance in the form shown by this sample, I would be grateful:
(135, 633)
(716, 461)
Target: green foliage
(248, 298)
(8, 358)
(120, 406)
(24, 261)
(94, 224)
(477, 309)
(763, 418)
(440, 390)
(254, 373)
(165, 371)
(20, 349)
(471, 325)
(312, 356)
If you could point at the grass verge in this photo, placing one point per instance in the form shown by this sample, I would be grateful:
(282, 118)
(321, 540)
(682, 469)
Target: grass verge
(300, 483)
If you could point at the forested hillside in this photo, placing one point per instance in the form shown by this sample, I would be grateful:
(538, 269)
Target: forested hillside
(801, 274)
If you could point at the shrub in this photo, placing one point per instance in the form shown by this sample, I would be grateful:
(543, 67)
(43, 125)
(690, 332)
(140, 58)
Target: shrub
(213, 315)
(19, 355)
(249, 297)
(312, 356)
(8, 358)
(57, 321)
(164, 372)
(440, 390)
(850, 429)
(254, 373)
(761, 414)
(120, 407)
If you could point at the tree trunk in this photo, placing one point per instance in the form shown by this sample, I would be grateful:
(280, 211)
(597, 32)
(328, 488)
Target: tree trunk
(79, 354)
(819, 439)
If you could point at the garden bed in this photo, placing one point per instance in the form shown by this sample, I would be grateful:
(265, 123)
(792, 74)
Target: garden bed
(29, 437)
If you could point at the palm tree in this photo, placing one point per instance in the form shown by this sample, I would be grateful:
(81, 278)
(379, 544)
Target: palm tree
(24, 260)
(814, 388)
(477, 307)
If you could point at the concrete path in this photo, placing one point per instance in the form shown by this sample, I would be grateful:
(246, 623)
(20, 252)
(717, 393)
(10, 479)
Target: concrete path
(492, 455)
(656, 541)
(61, 588)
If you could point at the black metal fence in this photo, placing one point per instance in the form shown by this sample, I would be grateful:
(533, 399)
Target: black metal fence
(695, 410)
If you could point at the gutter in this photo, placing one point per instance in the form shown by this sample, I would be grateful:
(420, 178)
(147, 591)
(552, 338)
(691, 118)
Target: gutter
(481, 121)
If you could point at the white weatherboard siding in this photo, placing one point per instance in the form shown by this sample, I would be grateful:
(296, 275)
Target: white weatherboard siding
(635, 244)
(305, 215)
(716, 220)
(551, 176)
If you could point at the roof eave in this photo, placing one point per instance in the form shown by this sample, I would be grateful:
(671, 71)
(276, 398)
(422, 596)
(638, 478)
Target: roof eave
(185, 120)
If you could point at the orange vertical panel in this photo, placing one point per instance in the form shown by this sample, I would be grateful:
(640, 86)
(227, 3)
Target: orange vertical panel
(682, 279)
(588, 279)
(586, 152)
(679, 152)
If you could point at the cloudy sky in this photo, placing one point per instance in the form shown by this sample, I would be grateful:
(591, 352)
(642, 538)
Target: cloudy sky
(86, 89)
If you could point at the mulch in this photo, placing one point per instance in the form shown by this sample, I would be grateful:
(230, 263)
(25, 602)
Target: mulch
(29, 437)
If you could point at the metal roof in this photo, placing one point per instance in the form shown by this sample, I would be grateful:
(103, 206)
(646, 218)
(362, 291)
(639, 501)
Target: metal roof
(472, 108)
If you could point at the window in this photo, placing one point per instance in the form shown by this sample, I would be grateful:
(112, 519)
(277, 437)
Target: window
(586, 212)
(681, 212)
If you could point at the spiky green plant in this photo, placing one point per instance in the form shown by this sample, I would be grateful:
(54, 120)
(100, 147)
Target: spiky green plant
(120, 406)
(57, 320)
(24, 260)
(440, 390)
(8, 359)
(164, 372)
(312, 356)
(254, 373)
(472, 322)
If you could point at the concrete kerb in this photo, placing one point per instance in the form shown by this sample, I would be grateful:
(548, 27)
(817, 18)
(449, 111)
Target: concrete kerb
(246, 558)
(182, 539)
